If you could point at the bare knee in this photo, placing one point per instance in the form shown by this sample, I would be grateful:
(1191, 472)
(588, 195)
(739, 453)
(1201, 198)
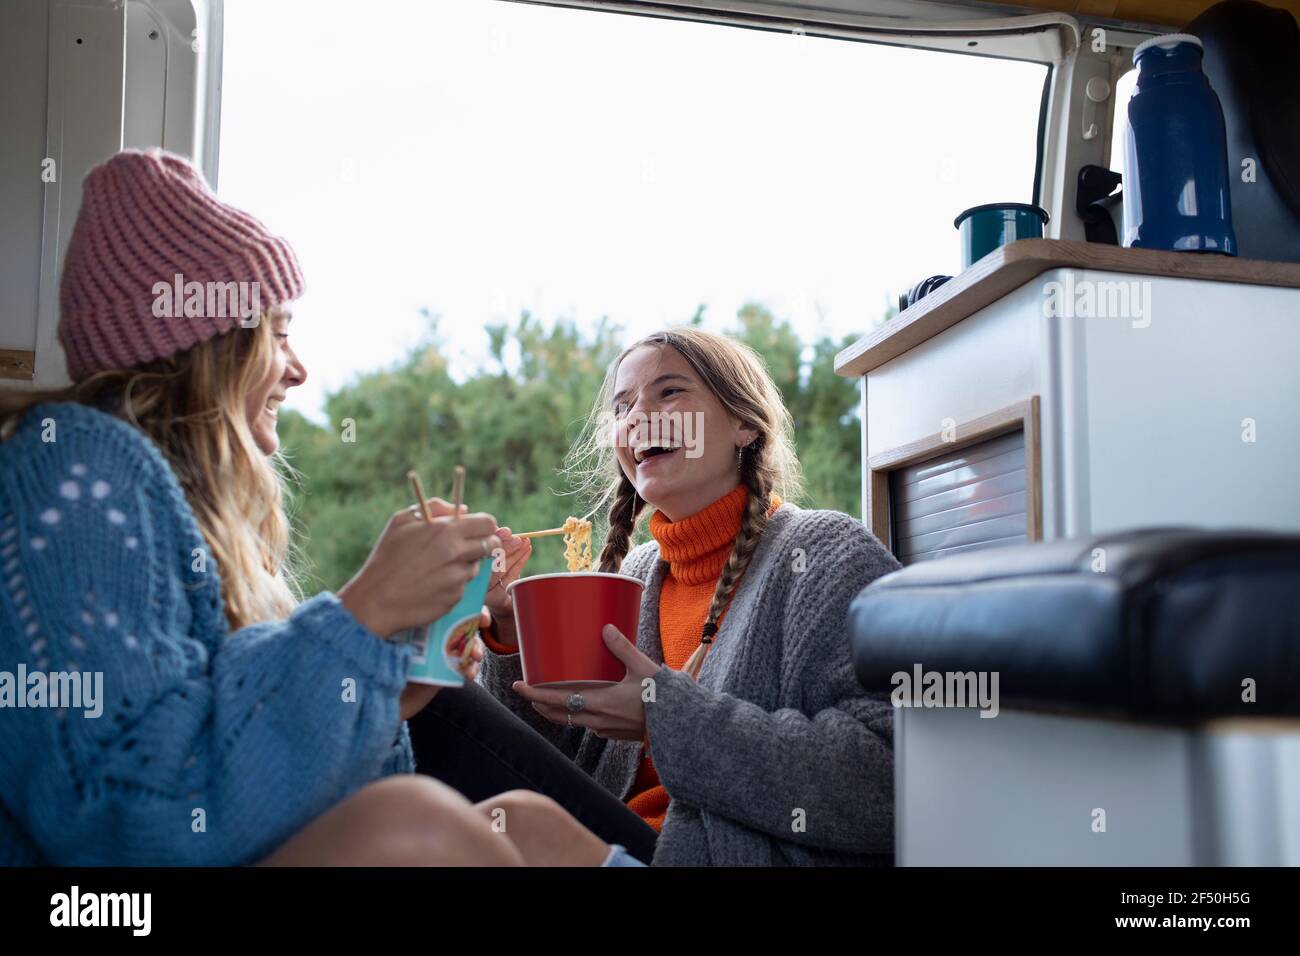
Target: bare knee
(542, 830)
(422, 822)
(403, 820)
(523, 808)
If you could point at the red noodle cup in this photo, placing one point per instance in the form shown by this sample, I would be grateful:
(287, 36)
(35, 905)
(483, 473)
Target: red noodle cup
(559, 619)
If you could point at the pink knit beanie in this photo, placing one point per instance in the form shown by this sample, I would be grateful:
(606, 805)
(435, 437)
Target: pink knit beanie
(147, 269)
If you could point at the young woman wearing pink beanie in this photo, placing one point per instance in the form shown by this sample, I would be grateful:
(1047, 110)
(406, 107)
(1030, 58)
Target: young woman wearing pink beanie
(143, 543)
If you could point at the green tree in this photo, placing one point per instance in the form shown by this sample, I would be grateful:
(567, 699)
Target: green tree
(824, 407)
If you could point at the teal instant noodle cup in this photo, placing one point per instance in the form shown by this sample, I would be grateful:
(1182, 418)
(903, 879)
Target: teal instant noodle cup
(985, 228)
(440, 647)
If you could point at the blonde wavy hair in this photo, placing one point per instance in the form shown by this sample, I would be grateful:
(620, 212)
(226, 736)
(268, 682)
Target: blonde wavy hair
(738, 378)
(194, 408)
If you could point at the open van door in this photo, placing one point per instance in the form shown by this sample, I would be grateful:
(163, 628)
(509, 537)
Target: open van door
(81, 81)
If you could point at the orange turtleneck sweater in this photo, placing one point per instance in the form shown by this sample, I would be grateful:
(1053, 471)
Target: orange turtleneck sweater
(696, 549)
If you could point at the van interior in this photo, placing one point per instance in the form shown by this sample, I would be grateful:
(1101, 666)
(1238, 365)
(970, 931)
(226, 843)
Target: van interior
(1081, 447)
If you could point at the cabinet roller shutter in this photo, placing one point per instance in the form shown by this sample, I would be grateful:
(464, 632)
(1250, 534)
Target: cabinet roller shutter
(962, 500)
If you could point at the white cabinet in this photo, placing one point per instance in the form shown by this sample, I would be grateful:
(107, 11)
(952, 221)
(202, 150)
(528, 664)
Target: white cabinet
(1151, 388)
(1134, 388)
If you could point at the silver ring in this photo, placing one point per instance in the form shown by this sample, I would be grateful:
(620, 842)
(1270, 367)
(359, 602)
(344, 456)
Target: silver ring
(574, 704)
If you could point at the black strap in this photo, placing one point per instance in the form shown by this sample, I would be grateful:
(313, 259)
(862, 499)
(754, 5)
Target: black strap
(1093, 202)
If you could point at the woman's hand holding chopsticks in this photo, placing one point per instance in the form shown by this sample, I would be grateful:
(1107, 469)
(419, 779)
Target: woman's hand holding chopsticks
(499, 604)
(418, 569)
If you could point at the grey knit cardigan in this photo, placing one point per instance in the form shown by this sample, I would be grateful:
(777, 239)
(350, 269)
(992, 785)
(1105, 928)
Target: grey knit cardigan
(776, 756)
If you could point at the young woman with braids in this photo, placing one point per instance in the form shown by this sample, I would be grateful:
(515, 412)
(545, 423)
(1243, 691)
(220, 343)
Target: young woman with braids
(740, 733)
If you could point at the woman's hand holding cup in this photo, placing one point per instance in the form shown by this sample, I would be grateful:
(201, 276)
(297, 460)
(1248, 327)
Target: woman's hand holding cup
(415, 697)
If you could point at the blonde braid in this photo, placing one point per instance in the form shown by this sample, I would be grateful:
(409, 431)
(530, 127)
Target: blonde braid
(758, 479)
(622, 519)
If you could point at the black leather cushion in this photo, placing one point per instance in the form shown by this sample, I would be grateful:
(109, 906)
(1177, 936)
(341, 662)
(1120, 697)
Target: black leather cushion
(1171, 628)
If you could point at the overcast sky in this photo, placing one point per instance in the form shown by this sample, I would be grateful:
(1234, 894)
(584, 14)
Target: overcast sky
(479, 157)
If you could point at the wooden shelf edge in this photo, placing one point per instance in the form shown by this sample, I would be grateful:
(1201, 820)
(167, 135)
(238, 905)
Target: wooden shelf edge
(1007, 268)
(15, 364)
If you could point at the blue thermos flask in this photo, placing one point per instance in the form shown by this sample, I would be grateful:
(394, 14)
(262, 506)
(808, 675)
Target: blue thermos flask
(1176, 179)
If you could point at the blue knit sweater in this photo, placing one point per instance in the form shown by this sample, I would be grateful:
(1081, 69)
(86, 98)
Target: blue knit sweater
(213, 746)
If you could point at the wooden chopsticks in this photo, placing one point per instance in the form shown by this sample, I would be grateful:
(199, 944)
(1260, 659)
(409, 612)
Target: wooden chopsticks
(417, 489)
(540, 534)
(457, 492)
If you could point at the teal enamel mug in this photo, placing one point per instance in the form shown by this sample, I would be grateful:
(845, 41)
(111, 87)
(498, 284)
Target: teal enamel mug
(985, 228)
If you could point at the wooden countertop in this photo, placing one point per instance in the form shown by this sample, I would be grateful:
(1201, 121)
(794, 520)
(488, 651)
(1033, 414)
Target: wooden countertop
(1005, 269)
(17, 364)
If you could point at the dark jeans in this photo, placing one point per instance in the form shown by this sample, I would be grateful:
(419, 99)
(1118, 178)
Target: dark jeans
(471, 742)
